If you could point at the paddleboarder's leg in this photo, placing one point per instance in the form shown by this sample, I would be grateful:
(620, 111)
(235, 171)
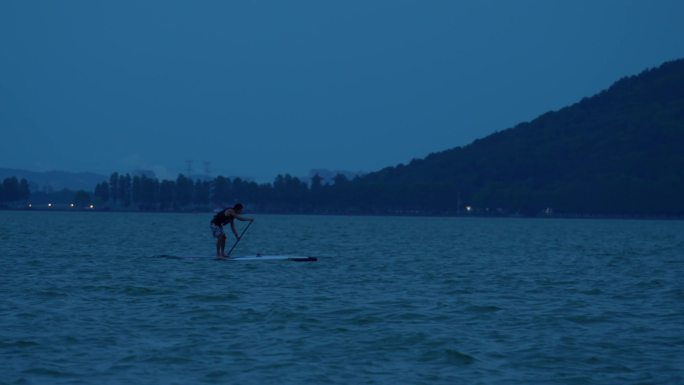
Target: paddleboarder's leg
(221, 246)
(217, 232)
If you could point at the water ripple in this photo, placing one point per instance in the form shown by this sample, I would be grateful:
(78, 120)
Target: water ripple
(391, 300)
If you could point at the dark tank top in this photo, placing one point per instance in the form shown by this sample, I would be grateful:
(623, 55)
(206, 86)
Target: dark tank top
(221, 218)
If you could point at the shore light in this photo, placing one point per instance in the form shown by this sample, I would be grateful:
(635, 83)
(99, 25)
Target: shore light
(71, 205)
(91, 206)
(49, 204)
(469, 208)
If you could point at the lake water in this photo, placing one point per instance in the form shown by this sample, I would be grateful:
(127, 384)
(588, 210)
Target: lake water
(114, 298)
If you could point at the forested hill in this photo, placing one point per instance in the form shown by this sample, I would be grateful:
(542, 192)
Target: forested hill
(620, 152)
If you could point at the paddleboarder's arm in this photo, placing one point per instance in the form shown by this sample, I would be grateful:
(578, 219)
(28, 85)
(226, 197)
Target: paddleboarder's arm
(240, 217)
(232, 213)
(232, 227)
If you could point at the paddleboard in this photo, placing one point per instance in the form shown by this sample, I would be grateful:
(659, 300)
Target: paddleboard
(273, 258)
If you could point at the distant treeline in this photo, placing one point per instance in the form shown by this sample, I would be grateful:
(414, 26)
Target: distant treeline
(617, 153)
(362, 195)
(285, 194)
(13, 189)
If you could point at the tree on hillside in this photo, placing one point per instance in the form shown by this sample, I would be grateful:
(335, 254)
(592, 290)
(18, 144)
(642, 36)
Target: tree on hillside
(167, 194)
(101, 194)
(184, 190)
(114, 186)
(202, 192)
(82, 199)
(221, 190)
(125, 190)
(13, 189)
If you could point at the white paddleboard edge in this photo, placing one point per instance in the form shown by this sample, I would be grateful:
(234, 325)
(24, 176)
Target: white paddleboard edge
(273, 258)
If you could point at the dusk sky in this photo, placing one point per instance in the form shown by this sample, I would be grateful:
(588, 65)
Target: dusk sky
(259, 88)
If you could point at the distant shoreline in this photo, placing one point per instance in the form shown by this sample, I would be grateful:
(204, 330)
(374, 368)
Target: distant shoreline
(361, 214)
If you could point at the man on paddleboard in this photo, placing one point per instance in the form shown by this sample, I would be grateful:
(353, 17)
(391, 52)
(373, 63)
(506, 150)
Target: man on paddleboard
(222, 218)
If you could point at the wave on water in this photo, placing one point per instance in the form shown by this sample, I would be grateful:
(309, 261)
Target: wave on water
(481, 301)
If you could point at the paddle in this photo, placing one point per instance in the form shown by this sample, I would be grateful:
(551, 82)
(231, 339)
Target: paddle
(238, 240)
